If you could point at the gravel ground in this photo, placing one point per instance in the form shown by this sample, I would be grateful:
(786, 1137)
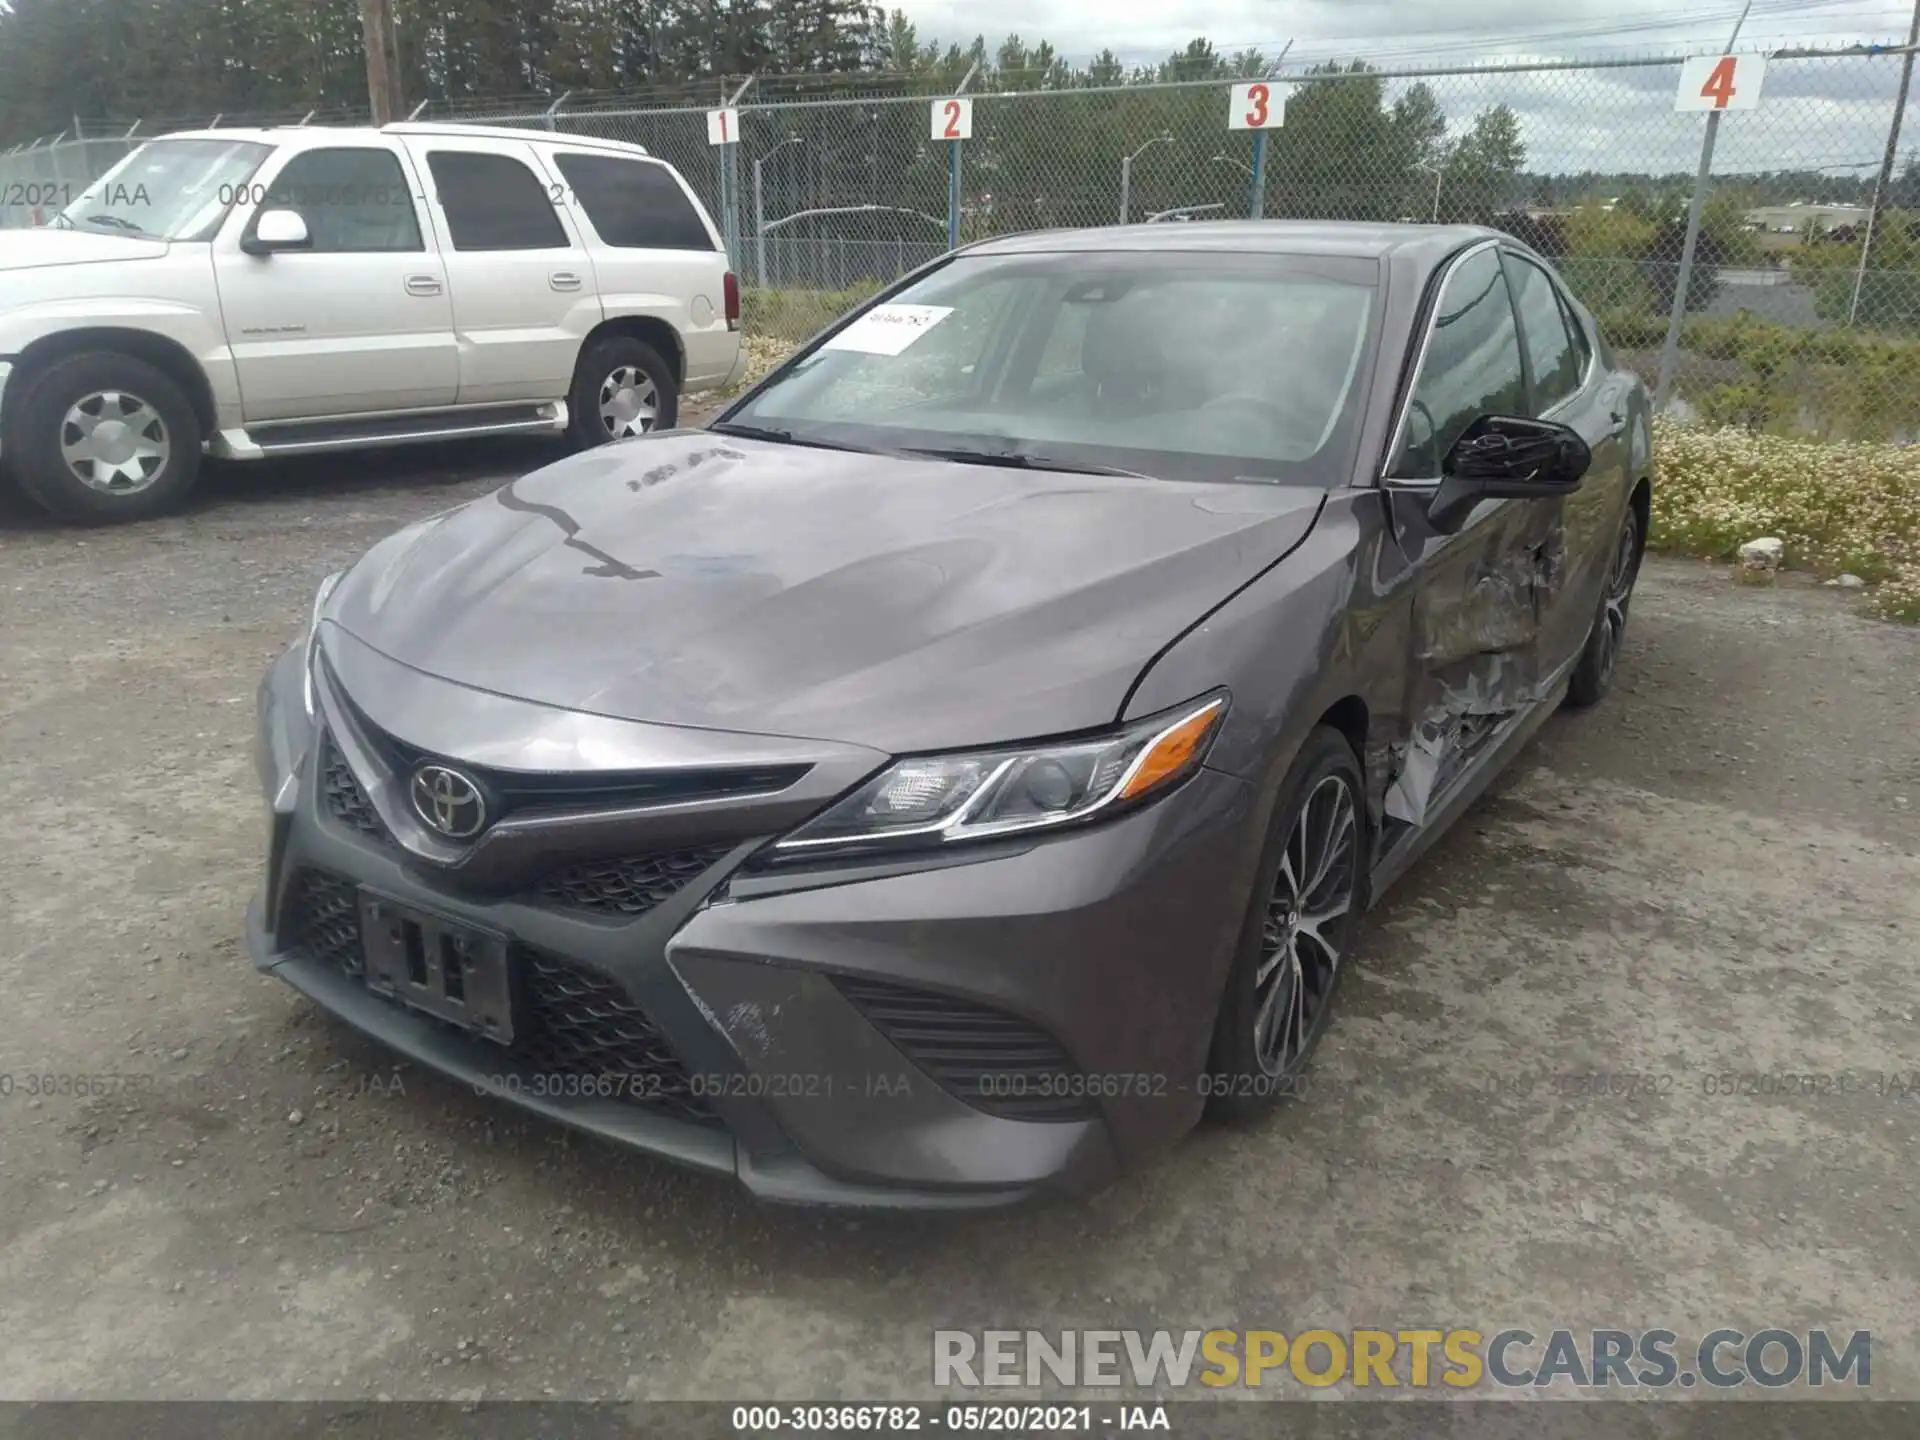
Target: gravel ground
(1715, 873)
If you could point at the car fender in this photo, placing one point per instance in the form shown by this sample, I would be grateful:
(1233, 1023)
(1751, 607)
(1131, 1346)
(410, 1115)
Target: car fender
(1314, 630)
(26, 329)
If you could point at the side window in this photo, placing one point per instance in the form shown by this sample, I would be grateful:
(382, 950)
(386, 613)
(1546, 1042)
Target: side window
(1556, 364)
(1582, 342)
(353, 200)
(633, 204)
(493, 202)
(1472, 367)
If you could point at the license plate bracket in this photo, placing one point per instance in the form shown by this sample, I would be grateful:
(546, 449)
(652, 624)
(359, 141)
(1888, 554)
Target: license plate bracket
(449, 970)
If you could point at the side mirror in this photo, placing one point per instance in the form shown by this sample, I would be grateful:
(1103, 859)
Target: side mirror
(274, 230)
(1507, 457)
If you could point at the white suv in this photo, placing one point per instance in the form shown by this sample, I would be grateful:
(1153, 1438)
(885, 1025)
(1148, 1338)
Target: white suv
(247, 293)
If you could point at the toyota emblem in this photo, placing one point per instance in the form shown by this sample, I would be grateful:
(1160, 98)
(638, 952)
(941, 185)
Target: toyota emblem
(448, 802)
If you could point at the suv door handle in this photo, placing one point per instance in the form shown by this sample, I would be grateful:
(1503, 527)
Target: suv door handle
(564, 280)
(423, 284)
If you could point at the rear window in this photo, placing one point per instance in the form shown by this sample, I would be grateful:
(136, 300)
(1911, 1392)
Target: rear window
(633, 204)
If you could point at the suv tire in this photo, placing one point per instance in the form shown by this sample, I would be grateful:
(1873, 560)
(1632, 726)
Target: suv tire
(100, 438)
(621, 387)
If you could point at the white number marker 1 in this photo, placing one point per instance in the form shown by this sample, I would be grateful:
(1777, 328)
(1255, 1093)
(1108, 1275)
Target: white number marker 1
(723, 127)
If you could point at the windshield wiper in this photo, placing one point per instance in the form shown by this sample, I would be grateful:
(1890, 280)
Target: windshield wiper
(786, 437)
(1023, 460)
(115, 222)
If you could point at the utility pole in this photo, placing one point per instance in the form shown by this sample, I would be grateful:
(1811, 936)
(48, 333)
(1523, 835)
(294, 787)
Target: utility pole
(1885, 180)
(383, 70)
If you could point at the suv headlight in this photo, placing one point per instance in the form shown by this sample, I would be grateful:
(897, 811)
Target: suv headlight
(310, 651)
(943, 799)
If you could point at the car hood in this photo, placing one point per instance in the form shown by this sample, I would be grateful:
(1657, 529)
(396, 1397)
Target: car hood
(31, 249)
(701, 580)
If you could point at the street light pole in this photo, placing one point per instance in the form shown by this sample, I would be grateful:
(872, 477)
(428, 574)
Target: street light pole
(1126, 173)
(760, 212)
(1439, 168)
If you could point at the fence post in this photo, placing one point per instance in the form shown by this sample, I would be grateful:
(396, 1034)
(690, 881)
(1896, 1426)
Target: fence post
(1257, 201)
(1676, 317)
(954, 191)
(1885, 177)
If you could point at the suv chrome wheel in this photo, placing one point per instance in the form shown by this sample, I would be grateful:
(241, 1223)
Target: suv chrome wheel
(114, 442)
(629, 402)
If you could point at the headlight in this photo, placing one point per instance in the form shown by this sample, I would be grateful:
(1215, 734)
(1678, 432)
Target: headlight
(313, 636)
(941, 799)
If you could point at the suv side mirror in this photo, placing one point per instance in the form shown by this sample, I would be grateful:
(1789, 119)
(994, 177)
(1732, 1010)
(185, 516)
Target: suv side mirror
(274, 230)
(1507, 457)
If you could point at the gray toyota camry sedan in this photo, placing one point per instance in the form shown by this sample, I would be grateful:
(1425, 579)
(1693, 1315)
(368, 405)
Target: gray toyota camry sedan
(968, 761)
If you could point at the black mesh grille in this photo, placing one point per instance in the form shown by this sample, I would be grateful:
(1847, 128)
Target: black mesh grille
(323, 921)
(580, 1022)
(569, 1021)
(629, 887)
(340, 792)
(995, 1062)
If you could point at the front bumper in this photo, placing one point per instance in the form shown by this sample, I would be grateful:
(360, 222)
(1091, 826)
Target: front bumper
(1111, 943)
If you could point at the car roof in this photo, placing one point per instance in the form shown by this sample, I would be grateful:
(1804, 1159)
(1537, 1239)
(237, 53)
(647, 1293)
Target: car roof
(1423, 244)
(281, 134)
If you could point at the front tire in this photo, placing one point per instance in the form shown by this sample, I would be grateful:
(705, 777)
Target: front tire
(100, 438)
(1299, 932)
(1593, 672)
(621, 388)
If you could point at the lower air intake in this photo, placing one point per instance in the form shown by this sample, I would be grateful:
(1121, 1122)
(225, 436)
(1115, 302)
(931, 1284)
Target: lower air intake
(579, 1022)
(323, 922)
(993, 1061)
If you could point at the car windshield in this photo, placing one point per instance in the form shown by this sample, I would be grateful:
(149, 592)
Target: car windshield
(168, 189)
(1187, 365)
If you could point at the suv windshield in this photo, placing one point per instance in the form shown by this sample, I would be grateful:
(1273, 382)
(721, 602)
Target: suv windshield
(1194, 365)
(168, 189)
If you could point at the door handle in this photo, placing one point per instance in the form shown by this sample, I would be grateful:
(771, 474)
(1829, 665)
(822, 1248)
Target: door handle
(564, 280)
(423, 284)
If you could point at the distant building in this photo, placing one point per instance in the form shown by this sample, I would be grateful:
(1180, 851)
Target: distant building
(1805, 220)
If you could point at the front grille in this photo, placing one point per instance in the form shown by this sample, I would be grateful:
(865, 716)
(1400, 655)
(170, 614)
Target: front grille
(570, 1021)
(512, 792)
(342, 796)
(323, 921)
(994, 1061)
(580, 1022)
(629, 887)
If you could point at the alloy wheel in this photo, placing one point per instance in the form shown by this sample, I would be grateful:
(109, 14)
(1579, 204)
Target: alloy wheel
(629, 402)
(1613, 613)
(1302, 933)
(114, 442)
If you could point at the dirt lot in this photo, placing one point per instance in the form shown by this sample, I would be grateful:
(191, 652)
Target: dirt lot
(1715, 874)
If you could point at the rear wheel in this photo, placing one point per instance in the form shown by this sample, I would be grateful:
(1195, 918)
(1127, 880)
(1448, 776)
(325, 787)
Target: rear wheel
(99, 438)
(1593, 672)
(621, 388)
(1298, 934)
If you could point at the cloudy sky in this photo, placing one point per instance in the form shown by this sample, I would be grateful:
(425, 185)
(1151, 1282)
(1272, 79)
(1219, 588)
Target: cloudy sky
(1827, 113)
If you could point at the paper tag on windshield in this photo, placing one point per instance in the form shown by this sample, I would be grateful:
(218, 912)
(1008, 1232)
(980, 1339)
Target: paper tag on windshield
(888, 329)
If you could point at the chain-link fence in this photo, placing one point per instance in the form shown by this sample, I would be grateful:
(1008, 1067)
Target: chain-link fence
(1801, 310)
